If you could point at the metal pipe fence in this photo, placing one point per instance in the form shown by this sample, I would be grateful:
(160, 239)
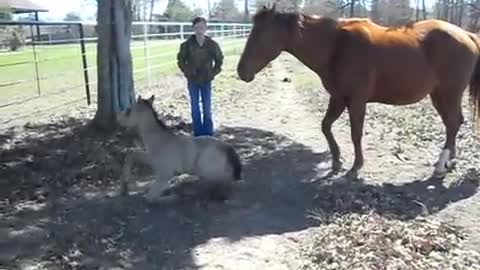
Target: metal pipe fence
(61, 58)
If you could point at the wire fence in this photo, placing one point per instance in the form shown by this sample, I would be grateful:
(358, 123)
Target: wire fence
(45, 64)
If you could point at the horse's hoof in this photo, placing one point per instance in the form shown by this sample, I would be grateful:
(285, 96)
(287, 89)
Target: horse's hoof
(123, 192)
(337, 166)
(451, 165)
(330, 174)
(352, 175)
(441, 171)
(439, 174)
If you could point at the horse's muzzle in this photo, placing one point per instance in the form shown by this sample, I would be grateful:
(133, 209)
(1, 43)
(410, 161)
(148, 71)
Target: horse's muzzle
(243, 74)
(246, 77)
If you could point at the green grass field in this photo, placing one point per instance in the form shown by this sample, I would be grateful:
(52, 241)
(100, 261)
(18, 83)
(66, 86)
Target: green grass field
(60, 67)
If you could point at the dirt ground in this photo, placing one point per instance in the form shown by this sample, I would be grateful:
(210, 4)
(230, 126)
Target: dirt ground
(59, 182)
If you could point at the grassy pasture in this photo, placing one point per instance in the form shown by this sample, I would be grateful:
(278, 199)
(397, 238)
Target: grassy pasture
(62, 78)
(60, 66)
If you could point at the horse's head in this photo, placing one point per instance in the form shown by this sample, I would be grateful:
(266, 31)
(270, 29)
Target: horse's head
(269, 36)
(138, 112)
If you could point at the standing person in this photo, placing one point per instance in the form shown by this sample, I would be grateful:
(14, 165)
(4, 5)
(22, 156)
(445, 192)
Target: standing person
(195, 59)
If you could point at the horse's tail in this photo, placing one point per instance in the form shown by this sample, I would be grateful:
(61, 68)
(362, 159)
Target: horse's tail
(235, 162)
(475, 87)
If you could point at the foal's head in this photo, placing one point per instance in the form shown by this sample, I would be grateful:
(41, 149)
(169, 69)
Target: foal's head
(269, 36)
(140, 113)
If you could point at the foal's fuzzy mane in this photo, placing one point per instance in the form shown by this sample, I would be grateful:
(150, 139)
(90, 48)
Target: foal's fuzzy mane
(155, 115)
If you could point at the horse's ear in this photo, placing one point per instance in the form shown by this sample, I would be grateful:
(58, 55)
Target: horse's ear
(274, 6)
(150, 100)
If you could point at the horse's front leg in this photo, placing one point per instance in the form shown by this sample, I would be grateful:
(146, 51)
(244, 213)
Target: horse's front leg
(132, 157)
(356, 112)
(336, 106)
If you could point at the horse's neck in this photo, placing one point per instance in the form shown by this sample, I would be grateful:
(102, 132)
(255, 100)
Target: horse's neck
(152, 134)
(314, 45)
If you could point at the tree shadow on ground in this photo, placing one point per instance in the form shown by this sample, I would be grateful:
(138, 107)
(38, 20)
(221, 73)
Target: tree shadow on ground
(55, 181)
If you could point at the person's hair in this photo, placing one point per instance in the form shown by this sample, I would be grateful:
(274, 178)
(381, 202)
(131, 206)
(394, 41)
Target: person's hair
(199, 19)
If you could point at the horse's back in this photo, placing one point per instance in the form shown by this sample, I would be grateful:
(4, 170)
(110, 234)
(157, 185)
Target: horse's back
(388, 63)
(408, 62)
(451, 51)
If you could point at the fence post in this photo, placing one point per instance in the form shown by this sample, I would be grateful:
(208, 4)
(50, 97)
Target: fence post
(35, 60)
(84, 63)
(145, 52)
(182, 32)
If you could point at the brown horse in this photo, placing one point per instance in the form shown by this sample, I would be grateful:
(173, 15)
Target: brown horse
(360, 62)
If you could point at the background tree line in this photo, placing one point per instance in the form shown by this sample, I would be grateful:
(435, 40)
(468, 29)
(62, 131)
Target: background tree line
(465, 13)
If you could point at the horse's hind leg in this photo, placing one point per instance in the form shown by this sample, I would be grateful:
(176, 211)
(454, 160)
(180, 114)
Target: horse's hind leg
(448, 105)
(356, 112)
(334, 110)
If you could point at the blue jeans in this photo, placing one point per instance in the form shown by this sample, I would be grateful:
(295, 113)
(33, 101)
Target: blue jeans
(201, 125)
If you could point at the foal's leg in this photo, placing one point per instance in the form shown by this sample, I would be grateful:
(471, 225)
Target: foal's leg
(133, 156)
(334, 110)
(356, 112)
(158, 190)
(448, 105)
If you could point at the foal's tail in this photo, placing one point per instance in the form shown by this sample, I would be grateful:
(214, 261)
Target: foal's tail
(236, 163)
(475, 87)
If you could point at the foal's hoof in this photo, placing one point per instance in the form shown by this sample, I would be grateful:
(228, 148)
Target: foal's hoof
(162, 199)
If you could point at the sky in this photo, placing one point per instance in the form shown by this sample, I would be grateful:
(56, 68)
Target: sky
(86, 8)
(58, 8)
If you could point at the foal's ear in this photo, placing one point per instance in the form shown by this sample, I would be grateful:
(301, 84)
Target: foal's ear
(150, 100)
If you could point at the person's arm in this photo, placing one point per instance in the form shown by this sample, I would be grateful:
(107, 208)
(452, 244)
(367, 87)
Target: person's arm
(182, 59)
(218, 57)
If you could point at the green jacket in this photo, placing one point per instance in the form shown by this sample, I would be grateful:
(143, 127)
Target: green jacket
(196, 61)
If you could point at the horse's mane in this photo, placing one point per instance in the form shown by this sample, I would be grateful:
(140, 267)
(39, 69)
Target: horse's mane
(282, 18)
(155, 115)
(290, 19)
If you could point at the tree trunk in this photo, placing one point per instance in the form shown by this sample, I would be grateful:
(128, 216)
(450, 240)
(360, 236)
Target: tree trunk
(152, 6)
(460, 13)
(445, 10)
(352, 8)
(247, 12)
(114, 61)
(424, 10)
(375, 12)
